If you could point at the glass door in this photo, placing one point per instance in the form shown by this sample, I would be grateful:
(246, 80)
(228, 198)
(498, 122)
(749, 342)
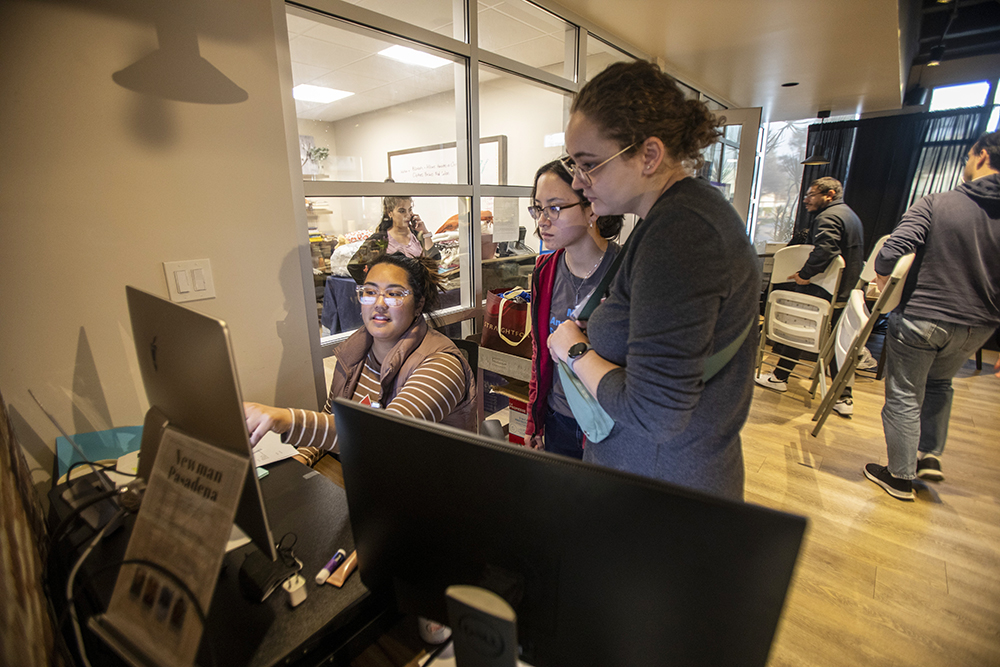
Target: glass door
(731, 163)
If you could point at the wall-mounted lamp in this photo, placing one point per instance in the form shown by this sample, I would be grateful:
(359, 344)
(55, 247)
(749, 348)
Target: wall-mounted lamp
(818, 156)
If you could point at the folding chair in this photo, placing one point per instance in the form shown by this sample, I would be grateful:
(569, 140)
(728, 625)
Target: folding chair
(853, 329)
(864, 280)
(801, 321)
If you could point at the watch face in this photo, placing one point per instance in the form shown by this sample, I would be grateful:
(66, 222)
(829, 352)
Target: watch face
(577, 349)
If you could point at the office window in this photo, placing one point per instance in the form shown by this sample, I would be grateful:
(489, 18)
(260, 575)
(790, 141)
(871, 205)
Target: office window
(713, 105)
(510, 249)
(361, 95)
(689, 92)
(529, 115)
(339, 225)
(781, 177)
(721, 161)
(445, 17)
(956, 97)
(528, 34)
(383, 108)
(600, 54)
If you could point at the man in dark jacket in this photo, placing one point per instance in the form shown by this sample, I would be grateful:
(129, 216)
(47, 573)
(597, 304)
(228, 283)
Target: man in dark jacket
(835, 231)
(950, 307)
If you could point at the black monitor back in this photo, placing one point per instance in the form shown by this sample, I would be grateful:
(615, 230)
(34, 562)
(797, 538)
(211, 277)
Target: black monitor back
(601, 567)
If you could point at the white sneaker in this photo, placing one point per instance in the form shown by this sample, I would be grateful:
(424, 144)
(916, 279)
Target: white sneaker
(867, 362)
(768, 380)
(844, 407)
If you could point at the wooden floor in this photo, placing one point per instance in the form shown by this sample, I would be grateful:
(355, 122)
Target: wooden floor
(882, 581)
(879, 581)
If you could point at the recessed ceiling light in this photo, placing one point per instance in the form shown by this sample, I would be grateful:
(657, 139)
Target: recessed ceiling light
(413, 57)
(789, 84)
(307, 93)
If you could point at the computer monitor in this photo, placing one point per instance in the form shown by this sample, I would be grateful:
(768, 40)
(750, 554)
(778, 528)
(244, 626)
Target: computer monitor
(189, 373)
(601, 567)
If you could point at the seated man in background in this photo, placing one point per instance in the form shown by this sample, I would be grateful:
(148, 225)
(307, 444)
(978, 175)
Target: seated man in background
(835, 231)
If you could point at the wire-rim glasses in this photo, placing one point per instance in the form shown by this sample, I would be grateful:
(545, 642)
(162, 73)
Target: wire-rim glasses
(574, 170)
(552, 212)
(393, 297)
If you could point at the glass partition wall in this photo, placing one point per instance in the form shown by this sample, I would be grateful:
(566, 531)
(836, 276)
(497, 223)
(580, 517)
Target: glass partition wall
(450, 103)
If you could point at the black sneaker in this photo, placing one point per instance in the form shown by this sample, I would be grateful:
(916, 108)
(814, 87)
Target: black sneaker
(929, 467)
(895, 487)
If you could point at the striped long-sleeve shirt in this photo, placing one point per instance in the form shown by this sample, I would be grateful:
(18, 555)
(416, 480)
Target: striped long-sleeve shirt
(430, 393)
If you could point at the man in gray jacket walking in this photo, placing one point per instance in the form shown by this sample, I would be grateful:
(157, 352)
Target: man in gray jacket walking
(950, 307)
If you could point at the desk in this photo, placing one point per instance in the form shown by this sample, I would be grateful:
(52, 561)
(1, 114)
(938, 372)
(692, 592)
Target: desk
(331, 622)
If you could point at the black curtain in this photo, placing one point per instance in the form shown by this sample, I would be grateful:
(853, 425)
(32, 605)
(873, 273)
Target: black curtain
(895, 160)
(836, 140)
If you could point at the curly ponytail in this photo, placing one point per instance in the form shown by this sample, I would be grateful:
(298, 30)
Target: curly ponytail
(634, 101)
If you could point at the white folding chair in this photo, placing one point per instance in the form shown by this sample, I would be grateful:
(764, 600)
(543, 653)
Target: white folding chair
(864, 280)
(853, 329)
(801, 321)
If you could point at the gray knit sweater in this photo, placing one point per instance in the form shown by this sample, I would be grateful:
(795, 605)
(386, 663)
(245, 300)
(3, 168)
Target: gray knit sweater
(687, 287)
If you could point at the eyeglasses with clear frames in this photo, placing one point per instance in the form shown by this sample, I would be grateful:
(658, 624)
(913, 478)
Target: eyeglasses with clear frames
(552, 212)
(573, 169)
(393, 297)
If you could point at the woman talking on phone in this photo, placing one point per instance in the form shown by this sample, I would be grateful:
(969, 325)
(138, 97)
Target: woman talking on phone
(562, 281)
(406, 232)
(669, 354)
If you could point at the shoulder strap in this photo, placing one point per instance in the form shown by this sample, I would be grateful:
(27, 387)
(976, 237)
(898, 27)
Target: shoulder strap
(718, 361)
(602, 287)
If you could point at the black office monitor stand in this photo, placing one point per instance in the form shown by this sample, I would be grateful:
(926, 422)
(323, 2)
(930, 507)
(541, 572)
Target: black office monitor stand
(483, 628)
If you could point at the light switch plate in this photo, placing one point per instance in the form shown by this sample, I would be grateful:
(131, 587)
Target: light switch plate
(199, 285)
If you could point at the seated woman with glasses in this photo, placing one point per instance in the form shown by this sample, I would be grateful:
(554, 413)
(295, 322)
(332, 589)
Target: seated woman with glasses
(395, 361)
(563, 281)
(669, 355)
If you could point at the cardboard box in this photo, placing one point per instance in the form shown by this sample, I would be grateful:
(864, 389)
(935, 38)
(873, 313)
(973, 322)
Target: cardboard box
(517, 393)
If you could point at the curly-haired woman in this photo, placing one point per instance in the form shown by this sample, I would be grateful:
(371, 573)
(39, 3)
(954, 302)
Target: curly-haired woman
(685, 295)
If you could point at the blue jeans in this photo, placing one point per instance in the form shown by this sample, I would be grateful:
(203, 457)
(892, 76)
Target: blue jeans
(563, 435)
(923, 357)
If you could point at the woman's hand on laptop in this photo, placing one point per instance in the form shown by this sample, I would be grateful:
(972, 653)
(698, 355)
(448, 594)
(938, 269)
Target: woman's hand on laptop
(264, 418)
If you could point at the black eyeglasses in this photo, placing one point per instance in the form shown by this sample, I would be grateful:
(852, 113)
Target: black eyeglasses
(552, 212)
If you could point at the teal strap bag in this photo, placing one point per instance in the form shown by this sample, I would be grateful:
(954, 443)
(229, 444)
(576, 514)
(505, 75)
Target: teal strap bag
(595, 423)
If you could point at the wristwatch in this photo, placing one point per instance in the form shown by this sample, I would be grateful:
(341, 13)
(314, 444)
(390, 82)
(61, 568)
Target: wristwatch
(575, 352)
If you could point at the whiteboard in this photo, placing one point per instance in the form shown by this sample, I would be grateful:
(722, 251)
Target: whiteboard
(439, 163)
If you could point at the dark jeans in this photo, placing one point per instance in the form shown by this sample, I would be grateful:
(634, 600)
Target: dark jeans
(563, 435)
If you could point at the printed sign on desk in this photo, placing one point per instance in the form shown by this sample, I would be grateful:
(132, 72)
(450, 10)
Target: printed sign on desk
(187, 513)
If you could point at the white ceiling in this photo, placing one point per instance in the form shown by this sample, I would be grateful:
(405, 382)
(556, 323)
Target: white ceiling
(843, 53)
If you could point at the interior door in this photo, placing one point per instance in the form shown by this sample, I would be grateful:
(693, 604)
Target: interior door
(731, 164)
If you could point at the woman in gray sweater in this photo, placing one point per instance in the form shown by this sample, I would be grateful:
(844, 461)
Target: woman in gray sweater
(687, 289)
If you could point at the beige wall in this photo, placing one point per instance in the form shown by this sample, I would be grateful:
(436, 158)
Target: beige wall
(99, 185)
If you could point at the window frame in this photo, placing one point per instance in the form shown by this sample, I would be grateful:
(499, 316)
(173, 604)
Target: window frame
(469, 188)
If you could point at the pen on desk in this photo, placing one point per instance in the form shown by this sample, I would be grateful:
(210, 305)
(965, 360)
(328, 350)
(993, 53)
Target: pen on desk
(344, 571)
(334, 563)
